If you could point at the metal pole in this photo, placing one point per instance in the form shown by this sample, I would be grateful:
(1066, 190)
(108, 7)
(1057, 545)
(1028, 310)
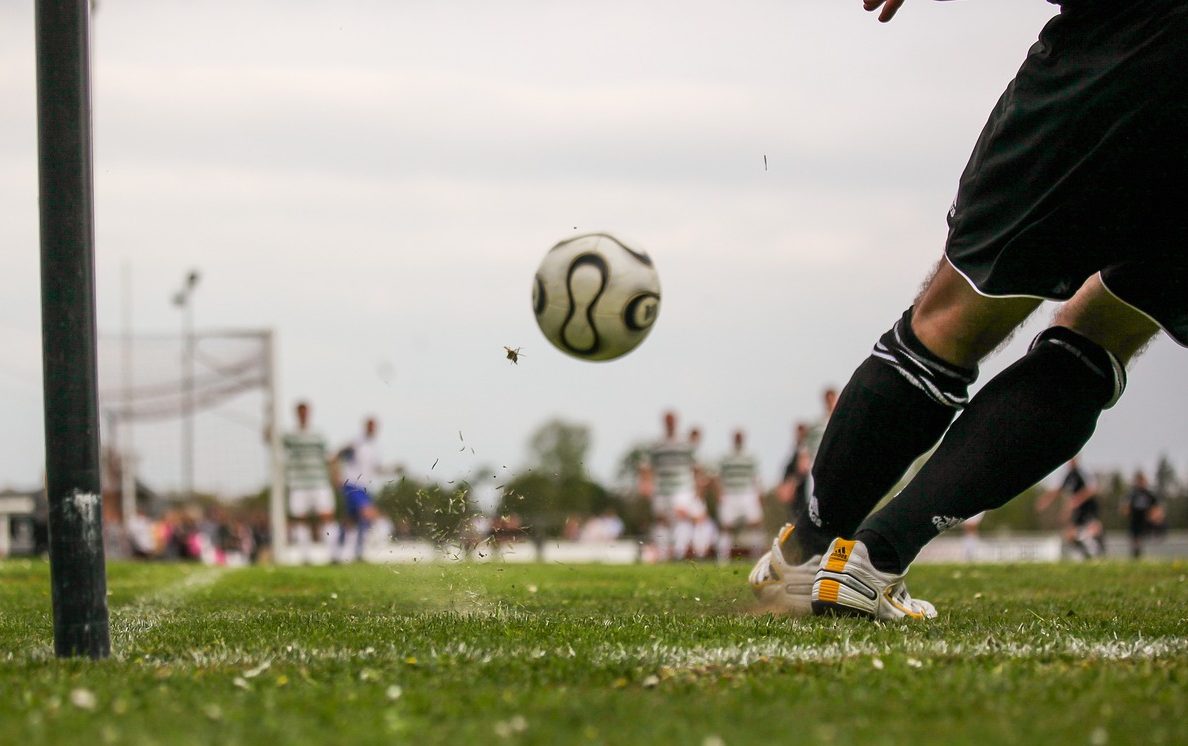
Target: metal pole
(188, 405)
(68, 335)
(277, 514)
(183, 299)
(127, 452)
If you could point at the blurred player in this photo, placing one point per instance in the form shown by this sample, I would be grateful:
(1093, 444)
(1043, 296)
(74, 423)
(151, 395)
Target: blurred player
(307, 477)
(793, 488)
(969, 536)
(695, 519)
(1141, 506)
(740, 511)
(669, 481)
(1081, 512)
(1074, 193)
(816, 431)
(359, 469)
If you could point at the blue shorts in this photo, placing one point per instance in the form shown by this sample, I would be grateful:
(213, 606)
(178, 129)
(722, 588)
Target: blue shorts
(357, 499)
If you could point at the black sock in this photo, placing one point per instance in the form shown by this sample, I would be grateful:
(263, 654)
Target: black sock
(1028, 420)
(895, 407)
(881, 552)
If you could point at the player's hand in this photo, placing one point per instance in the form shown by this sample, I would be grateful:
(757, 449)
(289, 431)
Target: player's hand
(890, 7)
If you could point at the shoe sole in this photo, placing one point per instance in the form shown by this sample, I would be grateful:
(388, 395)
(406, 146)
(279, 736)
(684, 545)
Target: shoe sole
(826, 608)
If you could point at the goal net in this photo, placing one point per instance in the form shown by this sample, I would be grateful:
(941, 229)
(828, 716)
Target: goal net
(190, 415)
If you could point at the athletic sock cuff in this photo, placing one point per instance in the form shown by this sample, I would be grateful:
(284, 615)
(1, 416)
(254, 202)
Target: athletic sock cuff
(1096, 358)
(881, 551)
(943, 382)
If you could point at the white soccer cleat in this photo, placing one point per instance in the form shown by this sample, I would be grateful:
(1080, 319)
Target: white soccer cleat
(781, 586)
(847, 583)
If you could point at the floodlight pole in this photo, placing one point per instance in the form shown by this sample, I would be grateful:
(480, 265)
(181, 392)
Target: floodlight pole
(77, 573)
(183, 299)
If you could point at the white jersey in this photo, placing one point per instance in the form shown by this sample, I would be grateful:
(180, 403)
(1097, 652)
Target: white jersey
(361, 463)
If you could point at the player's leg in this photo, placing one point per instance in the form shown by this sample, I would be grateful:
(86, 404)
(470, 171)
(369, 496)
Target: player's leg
(901, 399)
(753, 533)
(1048, 402)
(725, 527)
(300, 514)
(1095, 531)
(705, 534)
(969, 539)
(365, 515)
(1074, 172)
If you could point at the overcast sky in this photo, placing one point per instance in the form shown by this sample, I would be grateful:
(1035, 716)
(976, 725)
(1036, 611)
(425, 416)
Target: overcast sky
(377, 181)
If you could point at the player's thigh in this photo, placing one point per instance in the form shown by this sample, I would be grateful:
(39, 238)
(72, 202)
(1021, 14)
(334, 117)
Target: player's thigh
(1096, 313)
(961, 325)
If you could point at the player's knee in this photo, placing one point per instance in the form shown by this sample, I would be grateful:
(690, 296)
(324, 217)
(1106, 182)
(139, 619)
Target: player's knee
(1097, 314)
(1102, 363)
(939, 380)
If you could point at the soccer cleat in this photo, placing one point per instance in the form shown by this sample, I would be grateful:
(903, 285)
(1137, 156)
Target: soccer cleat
(847, 583)
(780, 585)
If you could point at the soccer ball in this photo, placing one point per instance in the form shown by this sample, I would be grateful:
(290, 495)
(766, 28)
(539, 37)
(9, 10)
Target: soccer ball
(595, 297)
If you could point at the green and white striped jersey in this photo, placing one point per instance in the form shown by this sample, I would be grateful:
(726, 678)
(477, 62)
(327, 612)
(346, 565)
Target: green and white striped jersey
(672, 465)
(305, 460)
(737, 472)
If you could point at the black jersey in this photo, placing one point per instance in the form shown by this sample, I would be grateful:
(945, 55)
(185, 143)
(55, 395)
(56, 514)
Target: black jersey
(1140, 501)
(1088, 510)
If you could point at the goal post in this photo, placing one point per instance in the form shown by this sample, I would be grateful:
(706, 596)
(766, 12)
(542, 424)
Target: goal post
(78, 576)
(277, 517)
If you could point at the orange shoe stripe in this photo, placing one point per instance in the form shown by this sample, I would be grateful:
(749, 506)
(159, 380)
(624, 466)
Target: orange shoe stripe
(840, 555)
(827, 590)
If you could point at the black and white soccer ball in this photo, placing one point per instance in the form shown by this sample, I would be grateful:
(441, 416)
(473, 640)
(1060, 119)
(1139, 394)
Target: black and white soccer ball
(596, 297)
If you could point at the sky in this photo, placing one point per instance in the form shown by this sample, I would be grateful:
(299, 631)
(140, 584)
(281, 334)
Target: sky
(376, 182)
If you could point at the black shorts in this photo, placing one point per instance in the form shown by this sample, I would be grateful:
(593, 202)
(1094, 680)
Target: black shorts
(1085, 513)
(1083, 165)
(1139, 525)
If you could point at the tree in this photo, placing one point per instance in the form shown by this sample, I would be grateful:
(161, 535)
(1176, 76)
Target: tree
(1166, 483)
(559, 449)
(556, 486)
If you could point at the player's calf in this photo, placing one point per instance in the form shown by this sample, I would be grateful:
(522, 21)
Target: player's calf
(895, 407)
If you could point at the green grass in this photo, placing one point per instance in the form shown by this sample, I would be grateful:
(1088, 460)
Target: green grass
(547, 654)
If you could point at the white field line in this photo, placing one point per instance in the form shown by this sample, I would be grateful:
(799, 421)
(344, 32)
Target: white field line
(151, 609)
(143, 614)
(738, 656)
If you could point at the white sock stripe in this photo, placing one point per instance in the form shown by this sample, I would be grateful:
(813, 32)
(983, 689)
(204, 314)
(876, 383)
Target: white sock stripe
(919, 372)
(940, 397)
(1116, 375)
(921, 384)
(925, 363)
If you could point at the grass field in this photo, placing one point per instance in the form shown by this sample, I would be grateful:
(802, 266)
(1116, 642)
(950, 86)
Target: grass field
(546, 654)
